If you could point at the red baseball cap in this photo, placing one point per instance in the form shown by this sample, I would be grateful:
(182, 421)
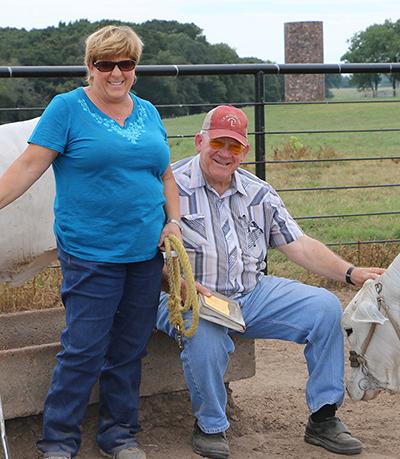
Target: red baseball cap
(226, 121)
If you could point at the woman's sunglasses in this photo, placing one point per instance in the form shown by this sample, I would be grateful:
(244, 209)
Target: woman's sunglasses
(109, 66)
(234, 148)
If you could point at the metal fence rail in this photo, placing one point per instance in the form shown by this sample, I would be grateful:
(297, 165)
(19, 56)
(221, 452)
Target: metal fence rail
(204, 69)
(260, 133)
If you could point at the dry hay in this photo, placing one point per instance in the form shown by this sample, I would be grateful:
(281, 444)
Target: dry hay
(41, 292)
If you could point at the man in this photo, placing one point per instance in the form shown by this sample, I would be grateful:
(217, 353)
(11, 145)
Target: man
(229, 219)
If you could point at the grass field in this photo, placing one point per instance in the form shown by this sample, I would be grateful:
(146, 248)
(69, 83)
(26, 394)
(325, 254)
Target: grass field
(384, 91)
(326, 145)
(40, 291)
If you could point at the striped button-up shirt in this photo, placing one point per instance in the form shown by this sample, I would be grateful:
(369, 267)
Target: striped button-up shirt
(227, 236)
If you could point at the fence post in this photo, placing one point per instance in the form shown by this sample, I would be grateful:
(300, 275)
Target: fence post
(259, 125)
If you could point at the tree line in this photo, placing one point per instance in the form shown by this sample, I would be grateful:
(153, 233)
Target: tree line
(165, 42)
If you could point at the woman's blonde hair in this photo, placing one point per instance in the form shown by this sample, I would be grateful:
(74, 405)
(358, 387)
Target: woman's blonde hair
(112, 41)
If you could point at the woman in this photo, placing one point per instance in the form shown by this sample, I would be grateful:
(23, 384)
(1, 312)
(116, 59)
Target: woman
(116, 200)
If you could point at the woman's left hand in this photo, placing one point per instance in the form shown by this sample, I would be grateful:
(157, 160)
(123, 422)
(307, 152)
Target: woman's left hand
(169, 228)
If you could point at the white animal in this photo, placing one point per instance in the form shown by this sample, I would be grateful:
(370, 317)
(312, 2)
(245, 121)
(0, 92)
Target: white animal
(27, 243)
(372, 323)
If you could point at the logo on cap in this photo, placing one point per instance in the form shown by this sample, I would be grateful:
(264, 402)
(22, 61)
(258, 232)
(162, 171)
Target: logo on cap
(231, 119)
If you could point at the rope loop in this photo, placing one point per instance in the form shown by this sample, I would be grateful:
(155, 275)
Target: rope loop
(177, 262)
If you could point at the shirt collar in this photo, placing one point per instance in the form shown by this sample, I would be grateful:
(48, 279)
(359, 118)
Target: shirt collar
(196, 176)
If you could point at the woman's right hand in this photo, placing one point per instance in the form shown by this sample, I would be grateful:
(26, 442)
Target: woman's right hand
(169, 228)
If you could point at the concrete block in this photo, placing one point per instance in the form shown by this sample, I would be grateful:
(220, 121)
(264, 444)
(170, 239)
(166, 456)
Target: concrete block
(29, 342)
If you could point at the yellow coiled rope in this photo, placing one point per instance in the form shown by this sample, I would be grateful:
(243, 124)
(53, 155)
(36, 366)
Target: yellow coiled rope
(176, 264)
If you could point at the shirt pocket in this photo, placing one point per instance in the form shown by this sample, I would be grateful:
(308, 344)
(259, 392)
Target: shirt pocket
(194, 232)
(253, 237)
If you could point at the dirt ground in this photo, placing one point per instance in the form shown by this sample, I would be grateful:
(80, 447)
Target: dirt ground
(267, 412)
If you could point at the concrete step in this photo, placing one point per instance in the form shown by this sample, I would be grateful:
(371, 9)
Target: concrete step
(29, 342)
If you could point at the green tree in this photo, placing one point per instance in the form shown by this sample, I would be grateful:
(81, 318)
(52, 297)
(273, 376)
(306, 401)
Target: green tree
(378, 43)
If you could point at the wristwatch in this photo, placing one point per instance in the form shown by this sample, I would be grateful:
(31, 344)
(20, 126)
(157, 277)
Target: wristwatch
(348, 275)
(176, 222)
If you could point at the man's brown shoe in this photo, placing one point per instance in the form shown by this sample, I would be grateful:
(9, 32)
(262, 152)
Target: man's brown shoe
(214, 446)
(332, 435)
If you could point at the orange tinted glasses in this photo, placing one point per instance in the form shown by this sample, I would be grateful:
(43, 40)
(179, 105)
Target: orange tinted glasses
(234, 148)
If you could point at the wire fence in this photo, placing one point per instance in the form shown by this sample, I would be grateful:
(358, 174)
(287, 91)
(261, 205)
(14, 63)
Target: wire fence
(260, 133)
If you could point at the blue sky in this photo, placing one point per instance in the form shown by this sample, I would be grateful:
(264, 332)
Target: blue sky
(252, 27)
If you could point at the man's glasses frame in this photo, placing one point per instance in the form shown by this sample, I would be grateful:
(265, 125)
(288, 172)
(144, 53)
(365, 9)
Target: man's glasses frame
(126, 65)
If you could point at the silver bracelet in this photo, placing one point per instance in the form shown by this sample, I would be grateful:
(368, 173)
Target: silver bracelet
(176, 222)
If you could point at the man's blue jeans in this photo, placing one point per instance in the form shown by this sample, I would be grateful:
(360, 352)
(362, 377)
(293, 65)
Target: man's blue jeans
(110, 314)
(276, 309)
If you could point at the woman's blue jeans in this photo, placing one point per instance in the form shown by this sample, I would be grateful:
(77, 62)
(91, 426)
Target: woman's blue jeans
(110, 314)
(277, 308)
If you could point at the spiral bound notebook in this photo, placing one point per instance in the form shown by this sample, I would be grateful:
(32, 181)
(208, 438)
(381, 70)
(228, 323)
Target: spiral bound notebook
(222, 311)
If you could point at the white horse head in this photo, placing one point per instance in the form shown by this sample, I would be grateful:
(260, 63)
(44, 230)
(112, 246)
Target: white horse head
(372, 324)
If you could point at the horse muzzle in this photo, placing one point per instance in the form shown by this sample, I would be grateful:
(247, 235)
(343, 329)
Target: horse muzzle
(361, 386)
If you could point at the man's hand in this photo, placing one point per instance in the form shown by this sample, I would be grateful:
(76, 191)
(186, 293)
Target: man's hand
(360, 275)
(199, 288)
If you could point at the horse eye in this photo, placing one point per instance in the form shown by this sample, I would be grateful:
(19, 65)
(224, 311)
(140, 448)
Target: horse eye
(348, 331)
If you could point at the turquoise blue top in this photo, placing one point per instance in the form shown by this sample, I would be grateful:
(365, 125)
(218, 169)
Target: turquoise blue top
(109, 190)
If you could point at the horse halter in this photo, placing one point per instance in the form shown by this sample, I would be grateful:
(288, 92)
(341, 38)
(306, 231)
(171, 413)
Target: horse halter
(359, 359)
